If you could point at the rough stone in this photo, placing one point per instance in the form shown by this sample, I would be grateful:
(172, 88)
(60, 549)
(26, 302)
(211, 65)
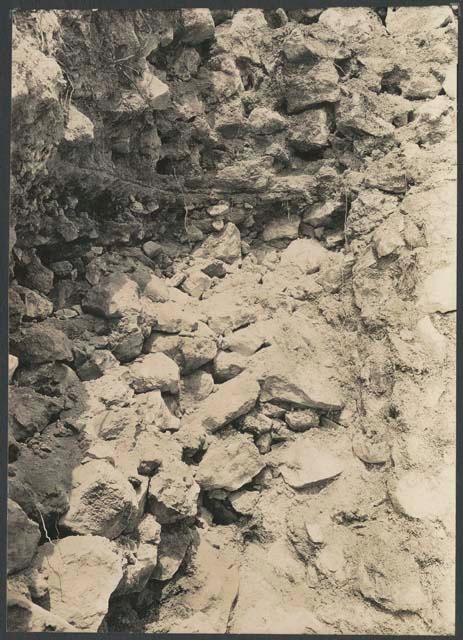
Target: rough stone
(265, 122)
(231, 400)
(30, 412)
(309, 131)
(25, 616)
(411, 20)
(41, 343)
(198, 25)
(156, 290)
(175, 542)
(229, 463)
(154, 371)
(115, 295)
(318, 84)
(79, 128)
(196, 283)
(83, 572)
(228, 365)
(13, 363)
(322, 214)
(224, 246)
(102, 501)
(306, 254)
(23, 538)
(281, 228)
(305, 464)
(173, 494)
(302, 420)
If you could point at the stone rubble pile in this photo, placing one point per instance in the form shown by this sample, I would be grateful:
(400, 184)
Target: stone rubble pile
(231, 311)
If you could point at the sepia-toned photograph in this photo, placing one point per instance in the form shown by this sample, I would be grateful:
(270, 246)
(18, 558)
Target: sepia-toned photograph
(232, 321)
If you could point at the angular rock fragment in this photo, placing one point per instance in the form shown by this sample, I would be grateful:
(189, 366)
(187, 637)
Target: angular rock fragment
(281, 228)
(318, 84)
(306, 254)
(154, 371)
(229, 463)
(189, 352)
(231, 400)
(102, 501)
(156, 290)
(265, 122)
(224, 246)
(25, 616)
(228, 365)
(13, 363)
(438, 291)
(79, 128)
(309, 130)
(36, 306)
(322, 214)
(30, 412)
(54, 379)
(41, 343)
(194, 388)
(115, 295)
(302, 420)
(206, 594)
(83, 572)
(311, 389)
(169, 317)
(173, 494)
(23, 538)
(371, 451)
(248, 340)
(98, 362)
(198, 25)
(196, 283)
(175, 542)
(305, 464)
(411, 20)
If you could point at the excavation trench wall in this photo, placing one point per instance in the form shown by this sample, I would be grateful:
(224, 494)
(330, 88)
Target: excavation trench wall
(232, 297)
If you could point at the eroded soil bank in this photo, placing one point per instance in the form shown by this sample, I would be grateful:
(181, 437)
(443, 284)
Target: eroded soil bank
(232, 311)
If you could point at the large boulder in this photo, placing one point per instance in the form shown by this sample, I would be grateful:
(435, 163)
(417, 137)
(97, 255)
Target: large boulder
(82, 572)
(102, 501)
(229, 463)
(23, 538)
